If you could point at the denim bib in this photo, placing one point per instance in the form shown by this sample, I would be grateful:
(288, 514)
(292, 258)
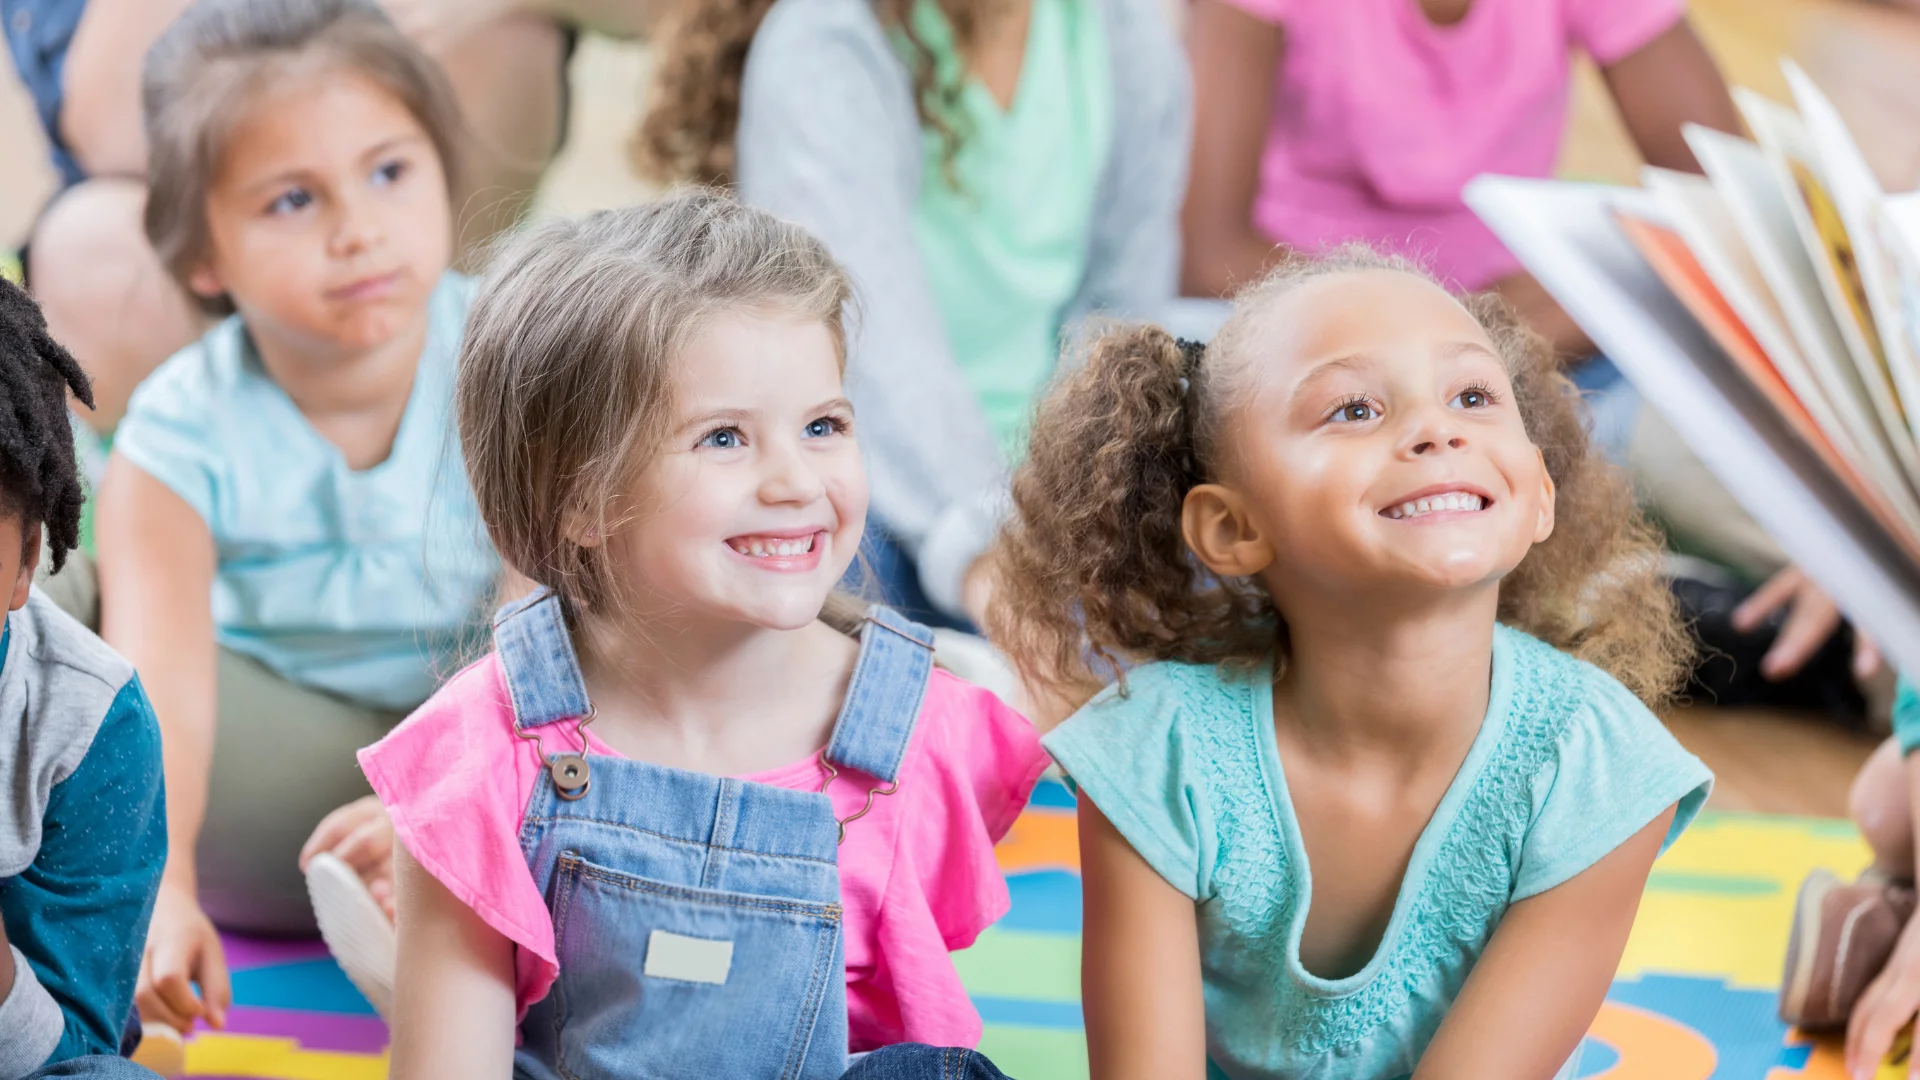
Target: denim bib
(697, 918)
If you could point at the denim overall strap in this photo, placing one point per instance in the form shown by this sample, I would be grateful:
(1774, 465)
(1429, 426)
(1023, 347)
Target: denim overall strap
(536, 653)
(883, 701)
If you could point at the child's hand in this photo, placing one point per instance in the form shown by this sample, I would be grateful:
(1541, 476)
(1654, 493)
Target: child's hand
(1886, 1008)
(361, 835)
(1811, 619)
(182, 949)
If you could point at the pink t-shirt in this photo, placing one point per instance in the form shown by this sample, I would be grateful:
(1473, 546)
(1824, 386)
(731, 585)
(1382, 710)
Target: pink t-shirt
(917, 874)
(1380, 117)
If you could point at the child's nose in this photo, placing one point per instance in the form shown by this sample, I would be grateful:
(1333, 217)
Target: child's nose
(790, 477)
(1432, 428)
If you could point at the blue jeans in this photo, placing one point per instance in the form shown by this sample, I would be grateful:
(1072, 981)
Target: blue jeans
(916, 1061)
(38, 33)
(106, 1067)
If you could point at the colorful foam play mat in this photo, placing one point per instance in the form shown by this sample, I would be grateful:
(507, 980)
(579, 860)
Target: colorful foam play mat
(1694, 999)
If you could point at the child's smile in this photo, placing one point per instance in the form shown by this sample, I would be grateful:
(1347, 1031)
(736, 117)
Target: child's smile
(1439, 504)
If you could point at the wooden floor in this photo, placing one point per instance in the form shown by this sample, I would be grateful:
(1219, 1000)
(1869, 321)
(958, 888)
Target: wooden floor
(1865, 55)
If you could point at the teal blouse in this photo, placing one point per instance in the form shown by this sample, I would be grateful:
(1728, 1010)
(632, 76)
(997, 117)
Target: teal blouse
(1567, 765)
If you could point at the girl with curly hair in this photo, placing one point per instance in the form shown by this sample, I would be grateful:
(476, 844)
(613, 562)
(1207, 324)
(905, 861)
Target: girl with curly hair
(1379, 786)
(986, 170)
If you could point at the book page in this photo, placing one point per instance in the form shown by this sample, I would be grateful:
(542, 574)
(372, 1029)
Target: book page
(1694, 209)
(1565, 234)
(1855, 196)
(1760, 208)
(1667, 254)
(1816, 220)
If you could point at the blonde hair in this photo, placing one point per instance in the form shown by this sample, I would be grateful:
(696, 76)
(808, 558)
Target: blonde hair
(567, 370)
(1095, 573)
(205, 71)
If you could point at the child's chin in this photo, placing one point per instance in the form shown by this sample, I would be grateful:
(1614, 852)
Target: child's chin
(789, 613)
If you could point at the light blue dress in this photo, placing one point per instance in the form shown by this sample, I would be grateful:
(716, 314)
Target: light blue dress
(368, 584)
(1567, 765)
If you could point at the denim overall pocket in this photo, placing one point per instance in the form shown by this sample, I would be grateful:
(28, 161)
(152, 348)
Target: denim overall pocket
(660, 980)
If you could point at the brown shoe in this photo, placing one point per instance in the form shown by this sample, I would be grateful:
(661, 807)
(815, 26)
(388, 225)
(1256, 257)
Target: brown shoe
(1842, 937)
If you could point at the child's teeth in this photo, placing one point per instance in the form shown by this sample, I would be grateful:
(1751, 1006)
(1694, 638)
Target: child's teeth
(1453, 500)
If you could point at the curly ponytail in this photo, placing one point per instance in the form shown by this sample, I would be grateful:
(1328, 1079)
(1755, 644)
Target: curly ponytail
(1094, 565)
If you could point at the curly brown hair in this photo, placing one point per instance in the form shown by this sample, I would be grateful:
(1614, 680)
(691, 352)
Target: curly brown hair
(1095, 573)
(687, 133)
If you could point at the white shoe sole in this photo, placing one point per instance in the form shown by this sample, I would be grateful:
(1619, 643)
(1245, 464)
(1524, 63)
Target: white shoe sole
(161, 1049)
(356, 930)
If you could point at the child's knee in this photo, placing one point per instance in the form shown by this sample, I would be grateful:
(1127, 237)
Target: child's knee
(1879, 804)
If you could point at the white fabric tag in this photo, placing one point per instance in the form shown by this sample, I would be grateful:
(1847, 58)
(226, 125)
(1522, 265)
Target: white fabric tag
(688, 959)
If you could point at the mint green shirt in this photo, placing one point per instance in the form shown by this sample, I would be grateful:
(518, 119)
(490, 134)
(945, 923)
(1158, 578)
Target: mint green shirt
(1567, 765)
(370, 584)
(1006, 250)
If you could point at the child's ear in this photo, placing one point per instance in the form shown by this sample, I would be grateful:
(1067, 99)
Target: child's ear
(29, 562)
(1222, 534)
(204, 282)
(1544, 527)
(584, 533)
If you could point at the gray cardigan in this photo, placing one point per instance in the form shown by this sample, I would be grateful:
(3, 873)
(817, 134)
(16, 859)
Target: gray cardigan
(829, 138)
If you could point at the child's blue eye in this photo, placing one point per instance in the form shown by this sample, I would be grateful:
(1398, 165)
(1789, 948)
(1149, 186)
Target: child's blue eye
(723, 439)
(825, 426)
(290, 201)
(389, 172)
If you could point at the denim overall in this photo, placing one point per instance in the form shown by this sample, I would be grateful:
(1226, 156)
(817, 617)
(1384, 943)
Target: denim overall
(697, 918)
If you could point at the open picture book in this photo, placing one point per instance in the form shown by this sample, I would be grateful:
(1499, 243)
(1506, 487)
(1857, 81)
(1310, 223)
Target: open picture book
(1770, 311)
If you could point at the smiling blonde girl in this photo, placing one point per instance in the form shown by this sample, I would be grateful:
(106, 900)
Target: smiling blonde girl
(674, 823)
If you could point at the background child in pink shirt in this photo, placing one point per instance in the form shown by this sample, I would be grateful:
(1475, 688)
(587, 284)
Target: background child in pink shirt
(651, 409)
(1318, 123)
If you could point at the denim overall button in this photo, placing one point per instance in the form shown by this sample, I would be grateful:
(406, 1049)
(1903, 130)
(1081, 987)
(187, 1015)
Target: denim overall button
(571, 775)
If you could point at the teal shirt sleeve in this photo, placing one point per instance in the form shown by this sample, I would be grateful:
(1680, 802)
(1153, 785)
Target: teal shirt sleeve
(171, 424)
(1130, 754)
(79, 914)
(1615, 768)
(1906, 717)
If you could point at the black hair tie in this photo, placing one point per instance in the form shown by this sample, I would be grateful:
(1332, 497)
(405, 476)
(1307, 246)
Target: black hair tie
(1190, 353)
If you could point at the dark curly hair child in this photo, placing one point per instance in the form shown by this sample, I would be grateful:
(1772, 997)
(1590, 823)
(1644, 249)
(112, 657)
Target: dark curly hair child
(39, 478)
(82, 831)
(1384, 613)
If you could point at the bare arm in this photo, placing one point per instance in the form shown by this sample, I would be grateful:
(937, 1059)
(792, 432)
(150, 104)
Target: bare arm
(156, 581)
(453, 999)
(1140, 964)
(1535, 991)
(1665, 84)
(1669, 82)
(1235, 60)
